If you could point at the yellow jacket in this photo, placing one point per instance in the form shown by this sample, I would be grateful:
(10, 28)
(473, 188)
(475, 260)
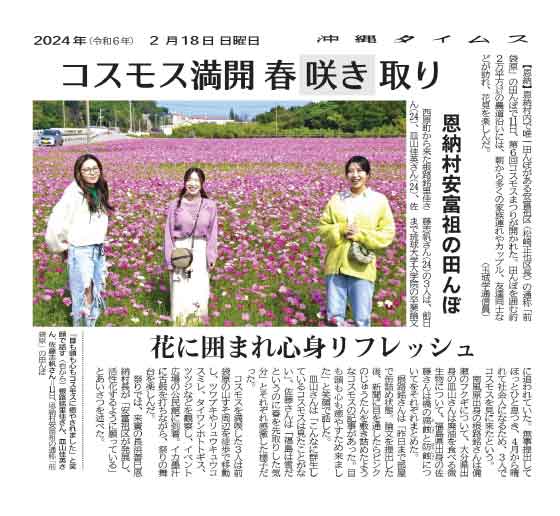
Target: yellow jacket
(376, 231)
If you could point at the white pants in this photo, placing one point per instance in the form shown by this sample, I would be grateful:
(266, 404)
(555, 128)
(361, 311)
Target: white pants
(189, 295)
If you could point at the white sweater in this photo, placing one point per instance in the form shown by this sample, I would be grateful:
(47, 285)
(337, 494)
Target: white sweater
(71, 222)
(355, 204)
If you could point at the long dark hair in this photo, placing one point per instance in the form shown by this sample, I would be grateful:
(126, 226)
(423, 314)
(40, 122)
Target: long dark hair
(201, 178)
(101, 186)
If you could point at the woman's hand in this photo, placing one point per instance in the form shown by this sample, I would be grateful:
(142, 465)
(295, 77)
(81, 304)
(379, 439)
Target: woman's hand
(351, 232)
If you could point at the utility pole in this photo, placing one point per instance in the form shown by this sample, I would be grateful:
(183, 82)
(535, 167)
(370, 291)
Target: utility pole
(87, 122)
(63, 116)
(130, 116)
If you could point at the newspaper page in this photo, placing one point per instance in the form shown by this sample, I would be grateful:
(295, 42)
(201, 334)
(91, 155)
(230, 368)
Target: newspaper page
(271, 250)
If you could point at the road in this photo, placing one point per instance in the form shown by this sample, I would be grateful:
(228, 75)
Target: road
(81, 140)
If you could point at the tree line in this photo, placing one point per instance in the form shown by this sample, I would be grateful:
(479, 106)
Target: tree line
(319, 119)
(107, 113)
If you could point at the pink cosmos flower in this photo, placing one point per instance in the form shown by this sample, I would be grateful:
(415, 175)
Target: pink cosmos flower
(262, 259)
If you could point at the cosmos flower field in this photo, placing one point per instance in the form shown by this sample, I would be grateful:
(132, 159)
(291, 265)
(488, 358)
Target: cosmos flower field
(270, 194)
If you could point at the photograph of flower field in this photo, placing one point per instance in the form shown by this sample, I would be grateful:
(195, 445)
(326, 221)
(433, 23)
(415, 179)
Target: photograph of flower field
(270, 194)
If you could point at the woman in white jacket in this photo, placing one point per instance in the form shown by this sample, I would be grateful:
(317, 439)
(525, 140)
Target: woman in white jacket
(77, 228)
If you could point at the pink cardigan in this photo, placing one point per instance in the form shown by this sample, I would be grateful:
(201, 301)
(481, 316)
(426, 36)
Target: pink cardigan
(180, 224)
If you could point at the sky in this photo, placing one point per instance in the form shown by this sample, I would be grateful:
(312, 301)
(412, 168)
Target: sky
(221, 108)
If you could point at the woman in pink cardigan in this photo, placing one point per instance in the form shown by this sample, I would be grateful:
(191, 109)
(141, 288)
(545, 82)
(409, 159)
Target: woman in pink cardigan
(192, 223)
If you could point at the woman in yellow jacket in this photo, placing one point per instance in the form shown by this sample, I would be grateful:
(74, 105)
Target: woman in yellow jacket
(361, 216)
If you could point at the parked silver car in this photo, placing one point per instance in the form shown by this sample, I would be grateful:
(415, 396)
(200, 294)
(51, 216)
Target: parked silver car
(51, 137)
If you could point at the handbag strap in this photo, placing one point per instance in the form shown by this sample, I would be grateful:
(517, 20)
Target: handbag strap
(195, 223)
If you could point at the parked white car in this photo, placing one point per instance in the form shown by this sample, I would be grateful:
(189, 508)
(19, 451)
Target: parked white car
(51, 137)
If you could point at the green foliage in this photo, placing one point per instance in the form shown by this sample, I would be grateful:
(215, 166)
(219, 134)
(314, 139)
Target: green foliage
(316, 120)
(254, 130)
(345, 116)
(48, 113)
